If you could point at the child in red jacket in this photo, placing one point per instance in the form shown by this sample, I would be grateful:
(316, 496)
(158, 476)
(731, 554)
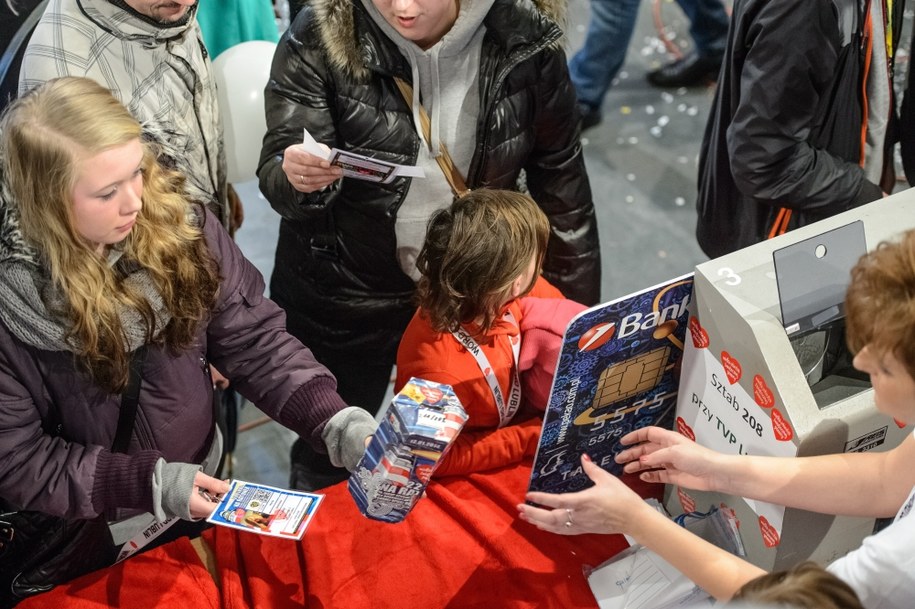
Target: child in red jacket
(481, 255)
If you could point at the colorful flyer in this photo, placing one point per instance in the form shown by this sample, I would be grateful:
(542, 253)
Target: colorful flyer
(618, 371)
(266, 510)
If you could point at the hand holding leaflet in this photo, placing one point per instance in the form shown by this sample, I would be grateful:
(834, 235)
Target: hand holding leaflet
(266, 510)
(359, 166)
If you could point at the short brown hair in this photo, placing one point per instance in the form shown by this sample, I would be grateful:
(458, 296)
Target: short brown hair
(880, 302)
(473, 251)
(806, 586)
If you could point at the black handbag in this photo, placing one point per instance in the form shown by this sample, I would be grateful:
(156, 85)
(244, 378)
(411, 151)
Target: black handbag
(39, 551)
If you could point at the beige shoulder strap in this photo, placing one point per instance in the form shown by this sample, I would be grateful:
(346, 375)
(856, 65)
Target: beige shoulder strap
(454, 177)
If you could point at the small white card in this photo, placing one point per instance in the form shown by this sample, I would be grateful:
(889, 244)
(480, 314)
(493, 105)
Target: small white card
(359, 166)
(266, 510)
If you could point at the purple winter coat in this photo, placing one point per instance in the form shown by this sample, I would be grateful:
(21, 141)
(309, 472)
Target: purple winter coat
(73, 473)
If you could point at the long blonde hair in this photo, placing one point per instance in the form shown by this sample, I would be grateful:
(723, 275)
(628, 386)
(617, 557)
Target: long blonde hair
(45, 135)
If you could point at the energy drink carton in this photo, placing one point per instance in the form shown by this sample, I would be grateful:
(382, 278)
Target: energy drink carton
(418, 427)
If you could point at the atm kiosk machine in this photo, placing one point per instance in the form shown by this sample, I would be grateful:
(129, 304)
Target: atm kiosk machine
(766, 375)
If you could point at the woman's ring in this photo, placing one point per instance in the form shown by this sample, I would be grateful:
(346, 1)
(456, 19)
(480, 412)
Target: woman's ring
(302, 180)
(569, 522)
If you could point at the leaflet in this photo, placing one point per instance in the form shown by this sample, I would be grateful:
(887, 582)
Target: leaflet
(266, 510)
(359, 166)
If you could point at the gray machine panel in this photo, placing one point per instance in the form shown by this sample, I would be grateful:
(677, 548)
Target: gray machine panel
(813, 274)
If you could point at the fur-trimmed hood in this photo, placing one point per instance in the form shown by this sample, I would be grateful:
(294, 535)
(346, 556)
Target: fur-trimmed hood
(336, 27)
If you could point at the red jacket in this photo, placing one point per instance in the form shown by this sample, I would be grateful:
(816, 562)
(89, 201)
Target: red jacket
(441, 358)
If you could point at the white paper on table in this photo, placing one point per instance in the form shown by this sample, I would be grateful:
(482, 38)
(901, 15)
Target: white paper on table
(359, 166)
(640, 579)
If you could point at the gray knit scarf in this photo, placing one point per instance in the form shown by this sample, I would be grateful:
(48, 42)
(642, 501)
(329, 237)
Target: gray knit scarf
(31, 307)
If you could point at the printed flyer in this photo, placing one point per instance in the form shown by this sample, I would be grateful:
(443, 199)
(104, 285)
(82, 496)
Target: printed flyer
(618, 370)
(359, 166)
(266, 510)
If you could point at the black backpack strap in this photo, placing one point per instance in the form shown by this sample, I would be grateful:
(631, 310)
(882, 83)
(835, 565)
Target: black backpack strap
(129, 402)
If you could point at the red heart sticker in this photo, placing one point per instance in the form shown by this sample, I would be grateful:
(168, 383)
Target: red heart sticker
(487, 372)
(780, 427)
(700, 336)
(769, 534)
(432, 394)
(686, 502)
(899, 423)
(423, 473)
(685, 429)
(761, 392)
(732, 368)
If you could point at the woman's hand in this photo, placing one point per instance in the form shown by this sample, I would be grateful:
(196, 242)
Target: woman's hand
(667, 457)
(307, 172)
(607, 507)
(206, 494)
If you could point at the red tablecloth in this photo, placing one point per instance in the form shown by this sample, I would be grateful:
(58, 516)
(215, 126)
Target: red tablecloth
(168, 577)
(462, 547)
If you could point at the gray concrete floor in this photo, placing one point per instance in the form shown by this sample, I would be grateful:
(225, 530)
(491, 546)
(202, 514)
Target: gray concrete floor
(642, 163)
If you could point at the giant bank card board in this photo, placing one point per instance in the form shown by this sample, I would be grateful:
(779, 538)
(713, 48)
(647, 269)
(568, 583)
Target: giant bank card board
(618, 371)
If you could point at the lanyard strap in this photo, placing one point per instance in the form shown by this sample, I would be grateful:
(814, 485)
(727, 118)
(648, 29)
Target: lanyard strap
(506, 410)
(144, 537)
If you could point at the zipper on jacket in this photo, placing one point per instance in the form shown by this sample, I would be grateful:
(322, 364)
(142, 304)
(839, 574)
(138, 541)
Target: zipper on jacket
(203, 136)
(482, 131)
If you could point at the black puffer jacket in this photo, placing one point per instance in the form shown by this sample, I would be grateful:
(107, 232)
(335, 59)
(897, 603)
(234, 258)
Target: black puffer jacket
(336, 271)
(768, 144)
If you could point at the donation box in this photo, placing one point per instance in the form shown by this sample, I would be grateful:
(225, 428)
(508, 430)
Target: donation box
(766, 372)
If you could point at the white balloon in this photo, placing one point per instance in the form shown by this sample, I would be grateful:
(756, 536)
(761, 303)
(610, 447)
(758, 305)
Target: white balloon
(241, 73)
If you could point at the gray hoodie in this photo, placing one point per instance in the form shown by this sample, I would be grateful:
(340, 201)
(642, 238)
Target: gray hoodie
(445, 81)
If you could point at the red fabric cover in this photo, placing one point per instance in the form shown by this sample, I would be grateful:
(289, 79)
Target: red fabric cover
(168, 577)
(461, 547)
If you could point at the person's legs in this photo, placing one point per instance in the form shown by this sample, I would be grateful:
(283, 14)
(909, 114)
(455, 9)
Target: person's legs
(709, 23)
(361, 382)
(596, 64)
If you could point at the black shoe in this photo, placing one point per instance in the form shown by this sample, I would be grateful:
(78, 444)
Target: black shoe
(688, 71)
(590, 116)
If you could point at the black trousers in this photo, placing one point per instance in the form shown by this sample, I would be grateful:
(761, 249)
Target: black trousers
(361, 381)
